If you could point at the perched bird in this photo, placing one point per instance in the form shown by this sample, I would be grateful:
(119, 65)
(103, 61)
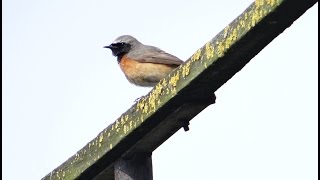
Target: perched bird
(142, 65)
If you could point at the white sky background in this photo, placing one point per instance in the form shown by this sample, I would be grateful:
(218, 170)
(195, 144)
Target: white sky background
(61, 88)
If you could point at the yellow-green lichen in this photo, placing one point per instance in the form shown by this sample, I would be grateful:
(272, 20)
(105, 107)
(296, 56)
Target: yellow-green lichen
(141, 104)
(225, 31)
(273, 2)
(125, 129)
(259, 3)
(154, 97)
(163, 82)
(152, 104)
(122, 120)
(149, 103)
(145, 108)
(220, 49)
(58, 176)
(205, 64)
(231, 38)
(141, 118)
(173, 82)
(100, 139)
(261, 10)
(209, 50)
(76, 157)
(246, 16)
(196, 56)
(242, 23)
(186, 69)
(117, 124)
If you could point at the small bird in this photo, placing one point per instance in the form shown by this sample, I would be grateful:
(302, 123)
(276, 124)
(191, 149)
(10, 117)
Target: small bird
(142, 65)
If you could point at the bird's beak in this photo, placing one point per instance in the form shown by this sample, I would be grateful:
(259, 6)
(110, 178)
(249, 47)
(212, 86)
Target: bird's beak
(110, 46)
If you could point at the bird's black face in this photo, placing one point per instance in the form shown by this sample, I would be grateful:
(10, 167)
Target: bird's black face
(119, 49)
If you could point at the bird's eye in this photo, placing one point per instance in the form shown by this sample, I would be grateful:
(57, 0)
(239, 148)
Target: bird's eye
(119, 44)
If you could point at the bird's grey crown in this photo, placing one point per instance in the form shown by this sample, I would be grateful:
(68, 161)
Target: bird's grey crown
(127, 39)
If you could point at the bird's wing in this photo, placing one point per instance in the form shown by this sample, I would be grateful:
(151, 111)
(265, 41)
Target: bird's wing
(150, 54)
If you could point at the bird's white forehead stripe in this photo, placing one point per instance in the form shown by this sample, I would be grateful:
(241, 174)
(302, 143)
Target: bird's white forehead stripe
(117, 41)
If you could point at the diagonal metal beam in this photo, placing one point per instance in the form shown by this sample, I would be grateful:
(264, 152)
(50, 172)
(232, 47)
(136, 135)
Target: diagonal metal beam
(185, 92)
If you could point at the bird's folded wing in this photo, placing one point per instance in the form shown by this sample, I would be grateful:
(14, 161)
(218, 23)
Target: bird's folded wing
(157, 56)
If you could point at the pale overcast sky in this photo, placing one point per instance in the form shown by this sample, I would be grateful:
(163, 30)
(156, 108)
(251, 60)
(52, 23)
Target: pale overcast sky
(61, 88)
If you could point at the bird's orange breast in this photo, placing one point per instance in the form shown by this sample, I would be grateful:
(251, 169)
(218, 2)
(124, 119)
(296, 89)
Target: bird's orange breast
(144, 74)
